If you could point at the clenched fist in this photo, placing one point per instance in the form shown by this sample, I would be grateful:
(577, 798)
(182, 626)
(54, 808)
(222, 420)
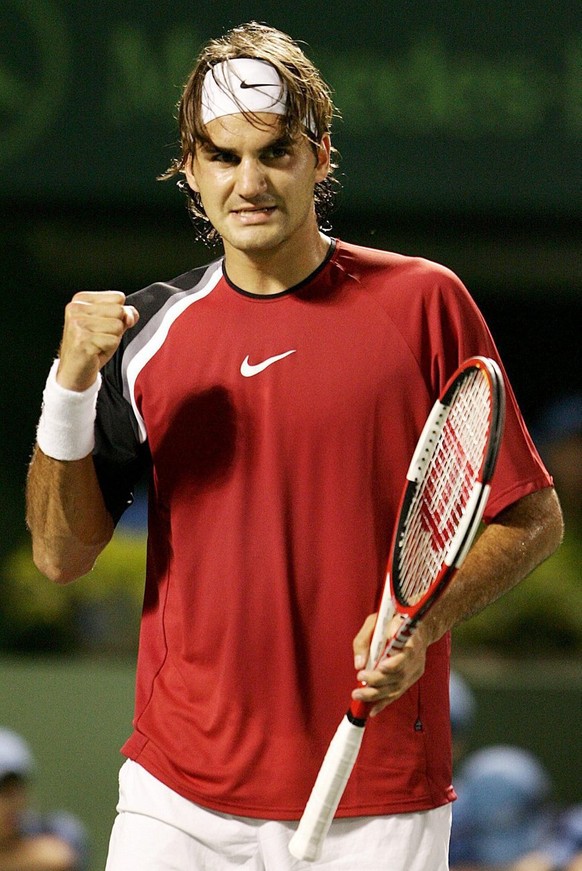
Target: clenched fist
(94, 325)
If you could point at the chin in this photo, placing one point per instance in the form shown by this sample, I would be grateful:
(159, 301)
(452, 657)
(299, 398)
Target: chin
(260, 239)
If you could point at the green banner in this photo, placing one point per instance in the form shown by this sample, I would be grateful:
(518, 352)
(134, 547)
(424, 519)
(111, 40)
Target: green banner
(459, 105)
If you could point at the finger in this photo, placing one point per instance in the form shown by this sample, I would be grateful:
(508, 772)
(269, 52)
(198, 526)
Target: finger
(101, 317)
(85, 309)
(94, 325)
(361, 643)
(91, 304)
(108, 302)
(99, 296)
(378, 695)
(87, 355)
(382, 690)
(389, 668)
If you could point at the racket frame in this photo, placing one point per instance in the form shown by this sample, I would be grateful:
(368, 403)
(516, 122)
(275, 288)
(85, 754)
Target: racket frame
(307, 842)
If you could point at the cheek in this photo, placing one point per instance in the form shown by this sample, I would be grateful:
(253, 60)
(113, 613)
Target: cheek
(213, 187)
(209, 199)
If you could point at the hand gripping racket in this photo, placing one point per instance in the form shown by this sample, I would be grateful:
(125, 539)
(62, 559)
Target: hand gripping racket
(440, 510)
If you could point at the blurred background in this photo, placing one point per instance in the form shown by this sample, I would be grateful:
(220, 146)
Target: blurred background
(460, 140)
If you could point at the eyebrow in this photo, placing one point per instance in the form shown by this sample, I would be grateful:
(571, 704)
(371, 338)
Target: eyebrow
(210, 147)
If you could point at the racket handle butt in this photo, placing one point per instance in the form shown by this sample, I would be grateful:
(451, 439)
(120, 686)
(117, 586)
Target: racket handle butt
(307, 842)
(304, 848)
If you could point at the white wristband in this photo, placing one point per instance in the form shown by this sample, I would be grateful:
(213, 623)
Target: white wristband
(66, 429)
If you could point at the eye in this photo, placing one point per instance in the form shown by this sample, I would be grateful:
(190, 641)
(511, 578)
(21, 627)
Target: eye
(276, 151)
(223, 157)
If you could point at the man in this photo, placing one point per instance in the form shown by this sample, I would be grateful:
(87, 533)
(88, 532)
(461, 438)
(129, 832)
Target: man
(274, 398)
(29, 841)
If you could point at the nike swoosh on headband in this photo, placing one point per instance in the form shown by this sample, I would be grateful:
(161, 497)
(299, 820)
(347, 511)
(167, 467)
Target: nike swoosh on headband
(248, 369)
(226, 89)
(246, 85)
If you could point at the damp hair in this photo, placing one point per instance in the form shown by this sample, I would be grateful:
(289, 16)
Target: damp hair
(308, 97)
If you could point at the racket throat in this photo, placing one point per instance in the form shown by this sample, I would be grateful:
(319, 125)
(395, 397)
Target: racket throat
(401, 635)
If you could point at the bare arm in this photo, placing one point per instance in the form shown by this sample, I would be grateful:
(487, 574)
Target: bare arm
(510, 548)
(522, 537)
(66, 513)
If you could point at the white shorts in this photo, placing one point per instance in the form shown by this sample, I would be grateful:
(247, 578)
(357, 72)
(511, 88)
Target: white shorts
(158, 830)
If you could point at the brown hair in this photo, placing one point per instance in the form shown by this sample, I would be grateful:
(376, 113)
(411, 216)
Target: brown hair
(308, 97)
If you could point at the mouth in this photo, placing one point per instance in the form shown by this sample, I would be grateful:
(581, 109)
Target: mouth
(253, 214)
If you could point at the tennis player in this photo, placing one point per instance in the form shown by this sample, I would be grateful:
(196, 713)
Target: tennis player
(273, 399)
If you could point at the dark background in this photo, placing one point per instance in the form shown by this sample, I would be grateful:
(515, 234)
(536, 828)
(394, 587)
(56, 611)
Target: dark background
(460, 140)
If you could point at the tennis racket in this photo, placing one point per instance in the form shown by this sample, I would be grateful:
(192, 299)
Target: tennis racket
(447, 486)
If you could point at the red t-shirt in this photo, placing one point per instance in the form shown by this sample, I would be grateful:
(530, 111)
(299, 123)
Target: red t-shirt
(277, 431)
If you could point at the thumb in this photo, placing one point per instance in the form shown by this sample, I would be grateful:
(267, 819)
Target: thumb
(130, 316)
(361, 643)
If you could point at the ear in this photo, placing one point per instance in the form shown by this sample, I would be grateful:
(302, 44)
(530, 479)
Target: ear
(190, 173)
(323, 158)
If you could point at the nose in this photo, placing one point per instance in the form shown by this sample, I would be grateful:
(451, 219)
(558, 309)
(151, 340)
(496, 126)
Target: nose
(251, 180)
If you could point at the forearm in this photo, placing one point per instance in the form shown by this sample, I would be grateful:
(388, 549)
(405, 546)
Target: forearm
(507, 551)
(65, 510)
(66, 515)
(521, 538)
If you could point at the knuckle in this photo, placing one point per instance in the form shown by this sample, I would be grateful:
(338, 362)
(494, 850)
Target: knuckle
(71, 307)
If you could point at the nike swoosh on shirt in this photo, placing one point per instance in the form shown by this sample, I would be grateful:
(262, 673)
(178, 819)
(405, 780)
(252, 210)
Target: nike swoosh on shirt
(249, 369)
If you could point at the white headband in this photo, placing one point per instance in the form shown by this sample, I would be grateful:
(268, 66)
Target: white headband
(242, 85)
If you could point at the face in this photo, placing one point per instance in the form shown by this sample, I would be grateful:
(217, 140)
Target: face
(256, 186)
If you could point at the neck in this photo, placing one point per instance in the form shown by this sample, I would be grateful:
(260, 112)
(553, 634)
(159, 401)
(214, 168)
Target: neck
(268, 272)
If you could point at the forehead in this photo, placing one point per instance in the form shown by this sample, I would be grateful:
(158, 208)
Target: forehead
(241, 132)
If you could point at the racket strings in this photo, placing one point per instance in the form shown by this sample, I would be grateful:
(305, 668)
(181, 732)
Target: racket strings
(442, 495)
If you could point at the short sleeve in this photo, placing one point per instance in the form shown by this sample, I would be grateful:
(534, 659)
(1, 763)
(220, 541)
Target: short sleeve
(121, 461)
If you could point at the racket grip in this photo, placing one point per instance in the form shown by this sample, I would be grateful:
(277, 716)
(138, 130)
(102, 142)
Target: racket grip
(307, 842)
